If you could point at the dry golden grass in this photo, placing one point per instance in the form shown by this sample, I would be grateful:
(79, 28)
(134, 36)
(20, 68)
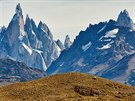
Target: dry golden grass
(68, 87)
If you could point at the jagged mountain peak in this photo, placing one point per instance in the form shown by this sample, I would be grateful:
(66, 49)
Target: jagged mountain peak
(67, 37)
(18, 9)
(2, 28)
(28, 19)
(58, 41)
(18, 16)
(67, 42)
(16, 25)
(125, 12)
(28, 25)
(27, 16)
(60, 44)
(124, 20)
(44, 28)
(41, 24)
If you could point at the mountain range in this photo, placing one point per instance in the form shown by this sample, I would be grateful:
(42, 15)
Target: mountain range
(106, 49)
(26, 42)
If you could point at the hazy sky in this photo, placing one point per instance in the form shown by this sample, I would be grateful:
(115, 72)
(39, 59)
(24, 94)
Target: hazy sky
(66, 16)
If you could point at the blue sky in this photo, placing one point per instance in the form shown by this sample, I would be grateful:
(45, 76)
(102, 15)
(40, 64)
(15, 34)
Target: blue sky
(67, 16)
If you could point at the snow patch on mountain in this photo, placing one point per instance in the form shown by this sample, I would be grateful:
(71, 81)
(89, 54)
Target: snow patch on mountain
(106, 46)
(39, 51)
(9, 57)
(27, 48)
(98, 68)
(107, 40)
(33, 33)
(40, 44)
(111, 33)
(86, 46)
(20, 37)
(131, 30)
(101, 29)
(61, 64)
(2, 38)
(80, 63)
(43, 63)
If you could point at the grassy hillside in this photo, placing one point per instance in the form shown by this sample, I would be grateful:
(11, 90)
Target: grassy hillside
(68, 87)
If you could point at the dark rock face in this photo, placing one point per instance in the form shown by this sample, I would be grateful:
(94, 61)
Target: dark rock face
(105, 49)
(12, 71)
(60, 44)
